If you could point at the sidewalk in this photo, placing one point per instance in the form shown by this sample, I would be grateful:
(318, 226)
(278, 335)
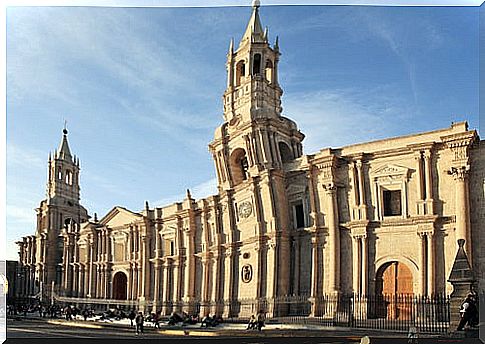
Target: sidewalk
(234, 329)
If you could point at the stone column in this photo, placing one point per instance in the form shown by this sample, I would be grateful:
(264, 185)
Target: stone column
(156, 287)
(204, 293)
(462, 207)
(356, 265)
(423, 263)
(431, 262)
(362, 204)
(355, 193)
(175, 281)
(189, 280)
(296, 250)
(229, 279)
(215, 298)
(317, 275)
(419, 182)
(429, 182)
(90, 268)
(333, 237)
(130, 283)
(364, 269)
(166, 288)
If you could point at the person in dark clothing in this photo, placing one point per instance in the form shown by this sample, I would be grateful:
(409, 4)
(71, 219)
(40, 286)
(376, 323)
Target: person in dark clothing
(468, 311)
(85, 314)
(156, 320)
(260, 320)
(132, 316)
(139, 323)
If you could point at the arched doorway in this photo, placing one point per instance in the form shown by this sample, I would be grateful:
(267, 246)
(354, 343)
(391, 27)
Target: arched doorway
(119, 286)
(394, 289)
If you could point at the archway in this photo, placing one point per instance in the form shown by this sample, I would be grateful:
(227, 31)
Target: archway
(394, 287)
(285, 152)
(120, 286)
(239, 166)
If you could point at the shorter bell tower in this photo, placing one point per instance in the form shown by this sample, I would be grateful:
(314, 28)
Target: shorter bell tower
(58, 212)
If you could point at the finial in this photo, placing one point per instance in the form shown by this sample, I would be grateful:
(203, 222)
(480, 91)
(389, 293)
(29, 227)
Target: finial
(65, 128)
(49, 156)
(189, 196)
(276, 43)
(265, 35)
(95, 217)
(461, 242)
(231, 46)
(146, 206)
(256, 3)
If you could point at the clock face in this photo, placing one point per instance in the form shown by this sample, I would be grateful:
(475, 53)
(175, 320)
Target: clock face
(245, 209)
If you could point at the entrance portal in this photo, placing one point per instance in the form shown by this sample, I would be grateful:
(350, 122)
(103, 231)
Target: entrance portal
(394, 289)
(119, 286)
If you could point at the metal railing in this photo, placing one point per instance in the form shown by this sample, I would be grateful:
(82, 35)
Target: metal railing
(428, 314)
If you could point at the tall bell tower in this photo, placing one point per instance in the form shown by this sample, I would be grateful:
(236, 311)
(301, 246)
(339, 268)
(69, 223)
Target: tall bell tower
(58, 212)
(250, 151)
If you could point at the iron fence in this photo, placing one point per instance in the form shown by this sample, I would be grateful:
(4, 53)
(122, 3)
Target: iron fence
(428, 314)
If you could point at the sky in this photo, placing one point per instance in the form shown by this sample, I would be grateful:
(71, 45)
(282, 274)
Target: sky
(141, 90)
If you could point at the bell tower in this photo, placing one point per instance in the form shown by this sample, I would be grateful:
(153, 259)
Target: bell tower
(63, 177)
(251, 151)
(252, 75)
(58, 213)
(254, 136)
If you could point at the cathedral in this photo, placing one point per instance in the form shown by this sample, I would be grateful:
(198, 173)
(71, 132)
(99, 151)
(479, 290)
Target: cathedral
(381, 217)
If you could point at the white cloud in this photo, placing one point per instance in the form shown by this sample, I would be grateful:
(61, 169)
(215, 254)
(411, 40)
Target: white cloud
(27, 158)
(333, 118)
(198, 191)
(21, 214)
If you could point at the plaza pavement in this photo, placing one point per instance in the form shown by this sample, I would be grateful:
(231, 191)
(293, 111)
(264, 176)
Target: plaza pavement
(239, 330)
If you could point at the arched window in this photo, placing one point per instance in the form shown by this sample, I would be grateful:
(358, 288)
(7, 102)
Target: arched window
(285, 151)
(257, 64)
(268, 71)
(59, 175)
(68, 177)
(240, 71)
(239, 166)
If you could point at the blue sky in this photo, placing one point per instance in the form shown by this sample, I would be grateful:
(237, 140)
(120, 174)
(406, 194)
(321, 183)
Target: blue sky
(141, 90)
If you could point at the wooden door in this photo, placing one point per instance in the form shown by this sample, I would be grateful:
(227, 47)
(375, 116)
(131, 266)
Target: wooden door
(395, 287)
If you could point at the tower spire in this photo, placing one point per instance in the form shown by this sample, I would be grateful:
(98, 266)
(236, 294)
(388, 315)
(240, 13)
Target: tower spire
(254, 31)
(64, 152)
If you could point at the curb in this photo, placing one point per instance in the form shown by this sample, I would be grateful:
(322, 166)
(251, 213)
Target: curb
(73, 324)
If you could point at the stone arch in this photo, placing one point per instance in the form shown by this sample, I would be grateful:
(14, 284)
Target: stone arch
(257, 64)
(285, 152)
(120, 286)
(239, 166)
(268, 71)
(410, 263)
(394, 290)
(240, 72)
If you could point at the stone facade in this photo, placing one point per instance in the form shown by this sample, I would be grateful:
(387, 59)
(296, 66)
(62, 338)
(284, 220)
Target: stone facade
(370, 218)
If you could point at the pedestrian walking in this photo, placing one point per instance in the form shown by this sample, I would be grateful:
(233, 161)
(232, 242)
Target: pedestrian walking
(85, 314)
(132, 316)
(139, 323)
(260, 320)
